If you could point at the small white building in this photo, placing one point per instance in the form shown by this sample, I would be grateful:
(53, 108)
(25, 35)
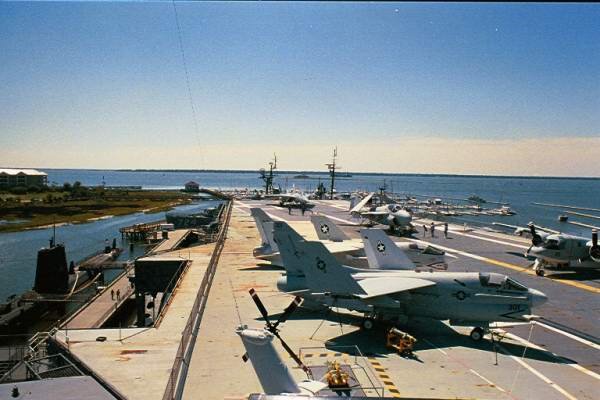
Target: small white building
(11, 177)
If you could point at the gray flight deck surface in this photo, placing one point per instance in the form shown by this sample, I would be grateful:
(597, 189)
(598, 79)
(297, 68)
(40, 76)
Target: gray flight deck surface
(557, 358)
(567, 335)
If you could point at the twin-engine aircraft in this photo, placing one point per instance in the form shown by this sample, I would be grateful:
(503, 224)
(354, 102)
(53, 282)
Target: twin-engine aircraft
(557, 251)
(392, 215)
(466, 299)
(563, 252)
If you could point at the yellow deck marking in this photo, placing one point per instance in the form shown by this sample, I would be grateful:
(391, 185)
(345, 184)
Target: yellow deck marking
(508, 265)
(385, 379)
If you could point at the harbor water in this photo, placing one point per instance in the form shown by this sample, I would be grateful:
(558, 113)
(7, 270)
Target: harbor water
(18, 250)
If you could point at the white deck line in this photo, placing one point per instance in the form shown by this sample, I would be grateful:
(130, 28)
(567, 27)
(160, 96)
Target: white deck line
(537, 373)
(535, 346)
(569, 335)
(489, 239)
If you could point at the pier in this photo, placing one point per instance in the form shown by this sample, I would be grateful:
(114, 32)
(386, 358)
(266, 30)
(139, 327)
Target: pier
(173, 240)
(139, 232)
(96, 312)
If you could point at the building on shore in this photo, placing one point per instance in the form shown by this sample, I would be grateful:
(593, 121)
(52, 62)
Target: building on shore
(12, 177)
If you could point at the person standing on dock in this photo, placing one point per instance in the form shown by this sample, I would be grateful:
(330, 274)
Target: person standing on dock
(290, 209)
(118, 294)
(432, 229)
(446, 230)
(424, 230)
(303, 207)
(112, 294)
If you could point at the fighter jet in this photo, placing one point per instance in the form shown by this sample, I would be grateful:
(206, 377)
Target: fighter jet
(392, 215)
(348, 251)
(294, 199)
(269, 251)
(465, 299)
(388, 254)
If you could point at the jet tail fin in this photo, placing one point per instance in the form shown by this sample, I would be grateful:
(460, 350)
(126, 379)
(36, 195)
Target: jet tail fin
(264, 224)
(287, 239)
(327, 229)
(323, 272)
(382, 252)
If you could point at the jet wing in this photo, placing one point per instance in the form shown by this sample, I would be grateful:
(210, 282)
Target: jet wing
(362, 203)
(374, 213)
(375, 287)
(286, 197)
(342, 247)
(526, 228)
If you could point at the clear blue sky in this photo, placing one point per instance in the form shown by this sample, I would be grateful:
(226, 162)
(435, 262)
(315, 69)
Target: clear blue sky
(79, 78)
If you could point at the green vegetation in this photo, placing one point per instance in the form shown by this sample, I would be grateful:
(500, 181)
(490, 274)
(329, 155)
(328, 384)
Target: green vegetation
(25, 208)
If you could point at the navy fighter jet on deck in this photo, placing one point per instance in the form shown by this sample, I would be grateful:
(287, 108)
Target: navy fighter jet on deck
(466, 299)
(392, 215)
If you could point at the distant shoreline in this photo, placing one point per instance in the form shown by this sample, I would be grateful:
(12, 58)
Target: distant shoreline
(324, 173)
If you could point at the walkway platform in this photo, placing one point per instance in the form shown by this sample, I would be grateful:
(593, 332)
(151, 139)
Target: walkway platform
(99, 309)
(138, 361)
(175, 238)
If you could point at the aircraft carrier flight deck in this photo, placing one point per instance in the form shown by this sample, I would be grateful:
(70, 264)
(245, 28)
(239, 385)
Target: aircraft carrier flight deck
(555, 357)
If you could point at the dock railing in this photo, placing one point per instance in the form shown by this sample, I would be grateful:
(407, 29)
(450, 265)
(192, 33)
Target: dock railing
(178, 374)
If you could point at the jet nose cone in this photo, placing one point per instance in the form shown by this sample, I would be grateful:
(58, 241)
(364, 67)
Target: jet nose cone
(537, 298)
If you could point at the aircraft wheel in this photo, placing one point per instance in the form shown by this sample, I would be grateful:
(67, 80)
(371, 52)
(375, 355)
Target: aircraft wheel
(368, 323)
(477, 334)
(539, 272)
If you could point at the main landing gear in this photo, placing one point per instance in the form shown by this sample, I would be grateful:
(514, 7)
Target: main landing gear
(368, 323)
(538, 267)
(477, 334)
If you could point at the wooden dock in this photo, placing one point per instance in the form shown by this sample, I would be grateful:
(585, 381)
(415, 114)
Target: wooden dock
(139, 231)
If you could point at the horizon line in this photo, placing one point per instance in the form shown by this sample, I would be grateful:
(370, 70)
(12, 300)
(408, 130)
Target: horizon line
(320, 172)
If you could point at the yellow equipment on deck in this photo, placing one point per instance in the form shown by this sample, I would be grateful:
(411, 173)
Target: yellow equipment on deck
(401, 341)
(336, 378)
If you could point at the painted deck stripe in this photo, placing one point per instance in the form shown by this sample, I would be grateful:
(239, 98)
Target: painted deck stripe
(569, 335)
(537, 373)
(535, 346)
(489, 239)
(507, 265)
(487, 380)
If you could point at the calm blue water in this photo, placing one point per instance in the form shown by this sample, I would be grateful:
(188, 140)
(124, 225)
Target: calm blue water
(18, 250)
(519, 192)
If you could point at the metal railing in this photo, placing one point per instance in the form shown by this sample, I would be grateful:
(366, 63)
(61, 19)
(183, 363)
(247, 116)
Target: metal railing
(176, 381)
